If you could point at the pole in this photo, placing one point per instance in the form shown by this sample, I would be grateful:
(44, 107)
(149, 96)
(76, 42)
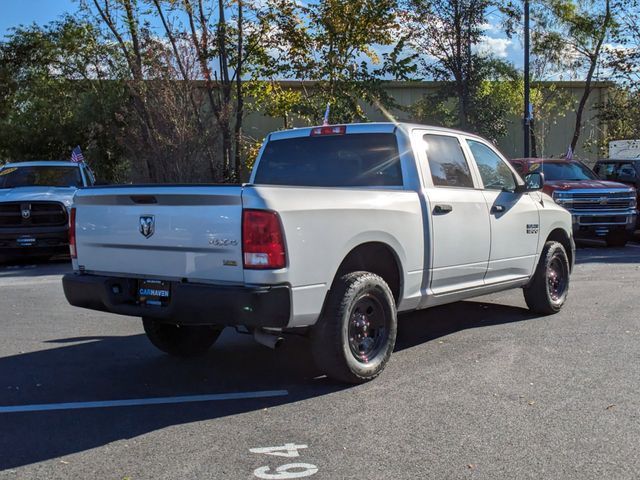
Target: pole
(527, 110)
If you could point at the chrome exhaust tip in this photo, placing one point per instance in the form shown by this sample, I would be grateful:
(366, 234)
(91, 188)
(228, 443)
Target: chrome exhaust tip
(267, 339)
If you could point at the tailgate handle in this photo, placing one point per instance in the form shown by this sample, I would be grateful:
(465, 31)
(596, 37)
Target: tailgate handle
(144, 199)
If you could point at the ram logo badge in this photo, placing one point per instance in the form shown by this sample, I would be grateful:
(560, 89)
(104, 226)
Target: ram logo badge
(147, 225)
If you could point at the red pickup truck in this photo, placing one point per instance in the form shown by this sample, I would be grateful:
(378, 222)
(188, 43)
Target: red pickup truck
(599, 208)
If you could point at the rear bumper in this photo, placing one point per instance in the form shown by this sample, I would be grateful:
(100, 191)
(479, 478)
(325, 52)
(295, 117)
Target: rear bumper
(190, 304)
(34, 240)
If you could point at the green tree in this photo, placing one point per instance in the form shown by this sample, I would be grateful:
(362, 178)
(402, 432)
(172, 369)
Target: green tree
(572, 35)
(53, 97)
(619, 116)
(345, 49)
(478, 91)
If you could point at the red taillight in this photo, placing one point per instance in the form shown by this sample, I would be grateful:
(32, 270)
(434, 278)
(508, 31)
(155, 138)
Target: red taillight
(329, 130)
(72, 234)
(262, 240)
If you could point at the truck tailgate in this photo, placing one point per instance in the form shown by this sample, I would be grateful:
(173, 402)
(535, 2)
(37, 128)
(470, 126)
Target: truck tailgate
(164, 232)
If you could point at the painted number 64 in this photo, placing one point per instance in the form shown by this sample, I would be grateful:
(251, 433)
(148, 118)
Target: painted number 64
(290, 470)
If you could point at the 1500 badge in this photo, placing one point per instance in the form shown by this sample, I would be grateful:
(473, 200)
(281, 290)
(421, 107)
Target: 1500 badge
(533, 228)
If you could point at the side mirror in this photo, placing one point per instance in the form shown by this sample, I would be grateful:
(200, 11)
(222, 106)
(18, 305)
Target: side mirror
(533, 182)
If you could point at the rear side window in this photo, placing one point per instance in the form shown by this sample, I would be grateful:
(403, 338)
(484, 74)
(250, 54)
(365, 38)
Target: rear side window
(449, 167)
(355, 160)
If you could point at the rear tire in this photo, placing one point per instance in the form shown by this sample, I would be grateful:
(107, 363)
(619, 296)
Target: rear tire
(356, 334)
(181, 341)
(547, 292)
(617, 239)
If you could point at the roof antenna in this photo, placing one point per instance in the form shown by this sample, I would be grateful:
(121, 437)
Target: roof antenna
(325, 121)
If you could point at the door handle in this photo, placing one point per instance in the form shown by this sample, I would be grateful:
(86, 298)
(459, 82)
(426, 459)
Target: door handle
(497, 209)
(441, 209)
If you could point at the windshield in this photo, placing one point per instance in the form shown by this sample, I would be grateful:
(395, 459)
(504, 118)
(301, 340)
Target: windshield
(566, 171)
(616, 171)
(369, 159)
(40, 177)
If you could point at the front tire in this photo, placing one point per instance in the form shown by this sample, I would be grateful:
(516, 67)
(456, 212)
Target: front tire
(356, 334)
(548, 289)
(181, 341)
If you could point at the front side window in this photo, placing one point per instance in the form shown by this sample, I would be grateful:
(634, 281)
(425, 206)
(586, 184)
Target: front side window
(495, 173)
(449, 167)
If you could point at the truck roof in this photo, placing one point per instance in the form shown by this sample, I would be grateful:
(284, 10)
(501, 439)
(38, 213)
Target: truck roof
(42, 163)
(371, 127)
(618, 160)
(545, 160)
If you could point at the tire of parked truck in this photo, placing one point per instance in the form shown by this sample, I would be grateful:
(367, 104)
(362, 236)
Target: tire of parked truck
(617, 239)
(356, 333)
(548, 289)
(181, 341)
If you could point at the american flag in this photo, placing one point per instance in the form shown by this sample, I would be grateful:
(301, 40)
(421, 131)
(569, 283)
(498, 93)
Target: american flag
(76, 155)
(569, 155)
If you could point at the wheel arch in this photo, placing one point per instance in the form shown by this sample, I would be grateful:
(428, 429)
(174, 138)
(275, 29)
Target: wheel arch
(560, 235)
(375, 257)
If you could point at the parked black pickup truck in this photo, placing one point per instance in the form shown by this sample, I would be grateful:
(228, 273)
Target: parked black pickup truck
(621, 171)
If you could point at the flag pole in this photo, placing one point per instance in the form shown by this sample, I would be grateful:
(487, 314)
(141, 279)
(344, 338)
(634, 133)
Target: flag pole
(527, 86)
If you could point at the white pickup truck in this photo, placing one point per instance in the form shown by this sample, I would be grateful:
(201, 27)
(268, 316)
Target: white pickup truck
(338, 230)
(35, 199)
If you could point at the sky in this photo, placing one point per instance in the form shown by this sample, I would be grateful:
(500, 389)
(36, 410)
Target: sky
(16, 12)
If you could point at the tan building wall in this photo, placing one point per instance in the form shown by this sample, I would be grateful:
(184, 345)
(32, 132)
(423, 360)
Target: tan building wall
(554, 142)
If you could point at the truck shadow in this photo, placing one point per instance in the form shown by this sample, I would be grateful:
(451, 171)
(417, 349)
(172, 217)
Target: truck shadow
(127, 367)
(425, 325)
(27, 267)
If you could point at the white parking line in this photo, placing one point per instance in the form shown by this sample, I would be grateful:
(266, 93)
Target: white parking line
(144, 401)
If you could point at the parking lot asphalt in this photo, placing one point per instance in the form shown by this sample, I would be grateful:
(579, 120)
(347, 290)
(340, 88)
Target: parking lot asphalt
(480, 389)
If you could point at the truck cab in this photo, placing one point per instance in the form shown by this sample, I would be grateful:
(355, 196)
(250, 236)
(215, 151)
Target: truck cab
(600, 208)
(35, 199)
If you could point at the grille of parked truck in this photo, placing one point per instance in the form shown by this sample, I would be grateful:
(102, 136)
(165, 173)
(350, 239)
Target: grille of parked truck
(600, 208)
(339, 229)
